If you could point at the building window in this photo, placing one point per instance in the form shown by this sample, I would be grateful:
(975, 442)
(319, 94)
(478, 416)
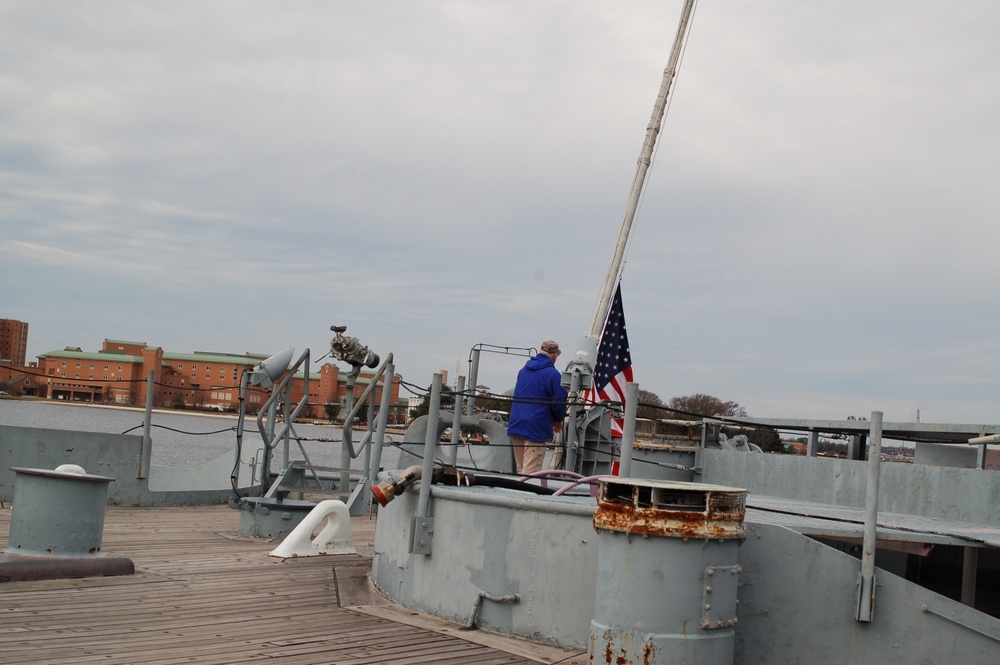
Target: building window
(78, 365)
(91, 365)
(106, 368)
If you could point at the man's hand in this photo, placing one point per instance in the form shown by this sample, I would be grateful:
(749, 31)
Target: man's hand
(557, 426)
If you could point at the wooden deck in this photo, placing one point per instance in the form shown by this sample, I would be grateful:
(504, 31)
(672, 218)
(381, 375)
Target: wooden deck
(205, 594)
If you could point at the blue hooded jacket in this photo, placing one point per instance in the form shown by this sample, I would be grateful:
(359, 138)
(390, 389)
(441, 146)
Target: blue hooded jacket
(539, 400)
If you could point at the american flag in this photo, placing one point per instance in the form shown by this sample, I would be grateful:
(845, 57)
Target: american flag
(614, 362)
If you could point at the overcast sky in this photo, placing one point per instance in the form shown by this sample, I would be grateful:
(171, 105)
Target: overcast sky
(817, 239)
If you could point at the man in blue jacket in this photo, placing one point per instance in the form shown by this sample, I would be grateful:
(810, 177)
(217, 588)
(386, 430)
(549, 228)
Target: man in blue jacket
(538, 409)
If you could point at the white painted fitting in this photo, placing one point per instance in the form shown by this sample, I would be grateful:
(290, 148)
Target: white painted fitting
(386, 490)
(335, 538)
(71, 468)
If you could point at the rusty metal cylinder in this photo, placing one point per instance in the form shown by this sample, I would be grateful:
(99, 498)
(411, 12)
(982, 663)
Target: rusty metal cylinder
(57, 513)
(667, 572)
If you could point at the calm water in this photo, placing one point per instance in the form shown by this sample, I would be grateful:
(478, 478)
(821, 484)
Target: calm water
(182, 440)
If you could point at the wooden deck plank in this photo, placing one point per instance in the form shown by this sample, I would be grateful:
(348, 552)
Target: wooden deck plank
(204, 593)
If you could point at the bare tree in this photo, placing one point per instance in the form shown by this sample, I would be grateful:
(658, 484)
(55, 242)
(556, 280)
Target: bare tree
(700, 405)
(650, 406)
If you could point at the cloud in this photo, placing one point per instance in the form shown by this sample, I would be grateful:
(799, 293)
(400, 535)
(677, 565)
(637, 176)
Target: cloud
(815, 236)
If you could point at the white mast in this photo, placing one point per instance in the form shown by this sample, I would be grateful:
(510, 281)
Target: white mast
(645, 156)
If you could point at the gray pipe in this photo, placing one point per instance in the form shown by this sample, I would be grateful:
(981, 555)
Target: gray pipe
(147, 441)
(234, 477)
(430, 446)
(474, 619)
(353, 410)
(473, 381)
(513, 503)
(628, 430)
(569, 461)
(456, 425)
(346, 447)
(286, 431)
(866, 595)
(383, 418)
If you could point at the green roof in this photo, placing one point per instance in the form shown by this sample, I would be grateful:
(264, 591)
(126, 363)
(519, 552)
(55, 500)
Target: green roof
(116, 356)
(218, 358)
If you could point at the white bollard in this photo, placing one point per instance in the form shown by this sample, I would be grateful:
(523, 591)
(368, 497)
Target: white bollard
(335, 538)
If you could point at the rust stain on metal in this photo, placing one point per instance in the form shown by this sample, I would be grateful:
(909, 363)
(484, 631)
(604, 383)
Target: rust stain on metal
(648, 653)
(623, 655)
(671, 510)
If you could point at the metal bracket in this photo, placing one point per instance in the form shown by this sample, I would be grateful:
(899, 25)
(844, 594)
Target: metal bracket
(866, 598)
(421, 535)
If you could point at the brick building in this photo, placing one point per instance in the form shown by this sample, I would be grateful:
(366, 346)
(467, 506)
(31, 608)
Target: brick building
(13, 341)
(16, 377)
(118, 374)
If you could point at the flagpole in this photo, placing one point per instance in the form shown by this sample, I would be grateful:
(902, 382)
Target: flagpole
(645, 157)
